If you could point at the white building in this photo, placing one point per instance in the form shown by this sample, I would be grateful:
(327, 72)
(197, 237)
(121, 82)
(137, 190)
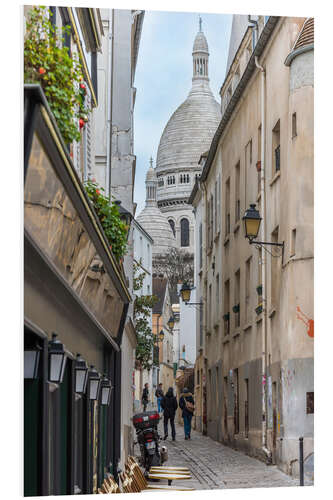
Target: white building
(142, 250)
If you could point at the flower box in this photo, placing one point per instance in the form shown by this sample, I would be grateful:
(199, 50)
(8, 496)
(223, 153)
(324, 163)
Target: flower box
(259, 309)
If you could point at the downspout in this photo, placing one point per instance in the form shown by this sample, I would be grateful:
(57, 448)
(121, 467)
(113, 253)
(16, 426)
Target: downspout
(254, 26)
(109, 104)
(263, 265)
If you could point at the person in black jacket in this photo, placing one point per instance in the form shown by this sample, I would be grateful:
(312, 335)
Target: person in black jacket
(145, 397)
(159, 395)
(186, 403)
(169, 405)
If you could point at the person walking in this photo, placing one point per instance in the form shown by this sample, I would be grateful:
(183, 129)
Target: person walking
(169, 405)
(186, 403)
(145, 397)
(159, 394)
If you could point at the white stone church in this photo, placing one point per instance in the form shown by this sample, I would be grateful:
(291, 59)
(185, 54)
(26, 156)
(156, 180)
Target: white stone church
(167, 217)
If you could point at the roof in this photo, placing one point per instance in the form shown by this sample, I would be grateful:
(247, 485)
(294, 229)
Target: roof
(200, 43)
(304, 41)
(306, 35)
(159, 289)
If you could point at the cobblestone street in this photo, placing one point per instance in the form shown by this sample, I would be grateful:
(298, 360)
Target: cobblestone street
(215, 466)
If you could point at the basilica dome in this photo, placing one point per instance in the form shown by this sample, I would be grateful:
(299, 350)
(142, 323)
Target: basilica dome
(153, 221)
(190, 129)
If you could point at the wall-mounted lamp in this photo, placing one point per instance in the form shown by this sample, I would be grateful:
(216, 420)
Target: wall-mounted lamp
(57, 360)
(31, 361)
(81, 375)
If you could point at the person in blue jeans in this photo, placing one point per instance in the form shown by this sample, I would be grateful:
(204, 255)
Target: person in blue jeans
(186, 403)
(159, 395)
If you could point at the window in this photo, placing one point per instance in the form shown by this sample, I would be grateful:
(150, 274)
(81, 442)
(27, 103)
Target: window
(215, 209)
(219, 204)
(200, 245)
(276, 148)
(225, 405)
(211, 222)
(160, 182)
(217, 305)
(237, 297)
(275, 271)
(172, 225)
(259, 157)
(210, 309)
(309, 402)
(247, 289)
(237, 193)
(226, 309)
(293, 243)
(184, 233)
(246, 408)
(236, 402)
(227, 207)
(293, 126)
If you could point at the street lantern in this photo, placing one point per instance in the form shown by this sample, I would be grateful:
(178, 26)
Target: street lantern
(57, 360)
(81, 375)
(161, 336)
(94, 383)
(171, 322)
(31, 361)
(251, 220)
(185, 292)
(106, 388)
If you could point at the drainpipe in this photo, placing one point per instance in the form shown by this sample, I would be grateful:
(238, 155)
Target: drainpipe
(255, 27)
(263, 264)
(109, 104)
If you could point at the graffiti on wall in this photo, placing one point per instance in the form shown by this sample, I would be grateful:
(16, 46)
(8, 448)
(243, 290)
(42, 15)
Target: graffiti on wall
(306, 320)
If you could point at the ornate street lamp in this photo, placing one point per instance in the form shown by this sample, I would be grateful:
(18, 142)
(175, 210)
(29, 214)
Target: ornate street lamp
(31, 361)
(106, 389)
(161, 336)
(185, 292)
(94, 383)
(252, 220)
(81, 375)
(171, 322)
(57, 360)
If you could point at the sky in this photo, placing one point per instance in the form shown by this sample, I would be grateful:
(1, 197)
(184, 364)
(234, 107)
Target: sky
(164, 76)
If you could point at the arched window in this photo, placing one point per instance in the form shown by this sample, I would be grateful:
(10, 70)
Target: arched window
(187, 178)
(184, 233)
(172, 225)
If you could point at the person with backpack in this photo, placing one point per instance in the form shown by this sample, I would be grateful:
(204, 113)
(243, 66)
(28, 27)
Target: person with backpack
(159, 395)
(145, 397)
(169, 405)
(186, 403)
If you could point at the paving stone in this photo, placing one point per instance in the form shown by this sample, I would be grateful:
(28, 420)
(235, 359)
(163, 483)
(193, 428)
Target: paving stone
(216, 466)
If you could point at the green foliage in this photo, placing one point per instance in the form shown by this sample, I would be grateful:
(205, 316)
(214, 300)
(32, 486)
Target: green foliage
(108, 213)
(143, 305)
(47, 62)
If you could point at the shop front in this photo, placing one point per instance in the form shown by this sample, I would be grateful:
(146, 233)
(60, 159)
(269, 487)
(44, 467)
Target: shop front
(75, 306)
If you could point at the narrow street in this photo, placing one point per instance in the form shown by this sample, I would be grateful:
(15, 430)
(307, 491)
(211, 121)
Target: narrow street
(215, 466)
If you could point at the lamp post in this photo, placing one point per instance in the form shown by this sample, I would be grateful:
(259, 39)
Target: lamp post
(57, 360)
(81, 375)
(251, 222)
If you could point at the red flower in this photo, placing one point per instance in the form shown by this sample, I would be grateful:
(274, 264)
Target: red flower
(98, 192)
(82, 86)
(42, 71)
(81, 123)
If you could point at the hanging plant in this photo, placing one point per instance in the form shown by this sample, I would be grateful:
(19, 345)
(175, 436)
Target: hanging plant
(226, 317)
(259, 290)
(48, 63)
(235, 308)
(259, 309)
(108, 213)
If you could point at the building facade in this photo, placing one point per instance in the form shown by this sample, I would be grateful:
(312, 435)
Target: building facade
(142, 245)
(258, 301)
